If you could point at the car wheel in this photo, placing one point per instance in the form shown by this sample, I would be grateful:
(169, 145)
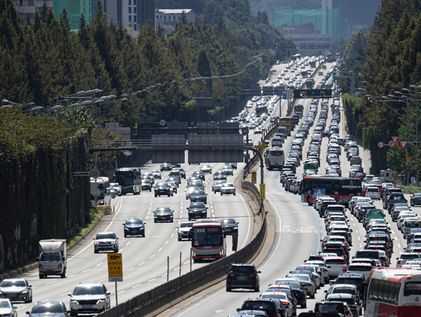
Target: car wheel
(169, 195)
(41, 276)
(156, 195)
(125, 235)
(179, 238)
(95, 251)
(257, 289)
(228, 288)
(313, 295)
(221, 193)
(154, 220)
(63, 275)
(304, 305)
(234, 193)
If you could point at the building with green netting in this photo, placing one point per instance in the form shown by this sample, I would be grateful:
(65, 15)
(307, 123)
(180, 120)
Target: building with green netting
(323, 21)
(74, 10)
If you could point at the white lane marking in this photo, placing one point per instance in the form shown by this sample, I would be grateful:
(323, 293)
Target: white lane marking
(128, 243)
(159, 250)
(152, 256)
(130, 269)
(172, 235)
(106, 229)
(166, 242)
(152, 280)
(99, 264)
(87, 270)
(141, 263)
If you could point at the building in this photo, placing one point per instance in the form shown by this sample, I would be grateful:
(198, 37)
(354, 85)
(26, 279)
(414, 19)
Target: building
(28, 8)
(358, 15)
(166, 19)
(74, 10)
(130, 14)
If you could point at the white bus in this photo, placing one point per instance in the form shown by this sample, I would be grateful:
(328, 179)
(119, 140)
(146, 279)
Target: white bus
(393, 292)
(274, 158)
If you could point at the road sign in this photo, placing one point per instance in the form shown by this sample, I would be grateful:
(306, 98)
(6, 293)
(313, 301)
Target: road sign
(162, 123)
(312, 93)
(395, 138)
(391, 143)
(115, 267)
(253, 177)
(403, 143)
(380, 144)
(262, 191)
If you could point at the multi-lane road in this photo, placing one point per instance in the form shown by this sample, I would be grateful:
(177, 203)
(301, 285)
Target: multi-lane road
(144, 259)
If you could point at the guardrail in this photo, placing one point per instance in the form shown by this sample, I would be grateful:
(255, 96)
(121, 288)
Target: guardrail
(161, 297)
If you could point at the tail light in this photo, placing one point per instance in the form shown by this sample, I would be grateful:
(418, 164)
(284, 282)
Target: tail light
(231, 274)
(285, 303)
(345, 268)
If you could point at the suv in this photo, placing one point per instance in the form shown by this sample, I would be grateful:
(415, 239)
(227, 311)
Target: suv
(338, 307)
(16, 289)
(273, 308)
(48, 308)
(243, 276)
(105, 241)
(89, 298)
(184, 230)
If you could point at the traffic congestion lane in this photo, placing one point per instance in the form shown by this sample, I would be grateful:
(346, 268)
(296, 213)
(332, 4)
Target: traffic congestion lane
(296, 236)
(144, 258)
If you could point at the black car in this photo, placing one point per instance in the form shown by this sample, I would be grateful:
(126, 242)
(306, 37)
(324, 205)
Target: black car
(134, 227)
(230, 226)
(166, 167)
(146, 184)
(198, 195)
(243, 276)
(163, 189)
(197, 210)
(415, 199)
(163, 214)
(45, 308)
(273, 308)
(199, 175)
(352, 278)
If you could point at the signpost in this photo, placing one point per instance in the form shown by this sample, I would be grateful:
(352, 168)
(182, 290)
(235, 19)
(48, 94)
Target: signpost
(115, 270)
(253, 177)
(262, 191)
(312, 93)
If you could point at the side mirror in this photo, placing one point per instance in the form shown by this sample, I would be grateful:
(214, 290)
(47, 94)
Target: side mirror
(144, 223)
(37, 259)
(28, 313)
(238, 309)
(29, 285)
(107, 293)
(69, 294)
(259, 272)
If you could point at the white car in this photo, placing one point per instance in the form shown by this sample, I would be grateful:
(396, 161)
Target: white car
(336, 265)
(16, 289)
(89, 298)
(6, 308)
(105, 241)
(227, 189)
(114, 187)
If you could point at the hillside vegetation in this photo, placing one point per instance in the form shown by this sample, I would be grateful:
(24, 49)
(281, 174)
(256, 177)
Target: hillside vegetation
(389, 59)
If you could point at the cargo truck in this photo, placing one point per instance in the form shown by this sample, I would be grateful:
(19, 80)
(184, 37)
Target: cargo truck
(52, 258)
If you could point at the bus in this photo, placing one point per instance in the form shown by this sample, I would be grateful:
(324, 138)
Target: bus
(208, 241)
(340, 188)
(274, 158)
(129, 180)
(393, 292)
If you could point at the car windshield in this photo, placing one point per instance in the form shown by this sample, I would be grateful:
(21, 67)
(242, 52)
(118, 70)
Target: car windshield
(48, 308)
(342, 290)
(230, 222)
(4, 304)
(163, 210)
(50, 256)
(88, 290)
(9, 283)
(330, 308)
(186, 225)
(109, 235)
(275, 295)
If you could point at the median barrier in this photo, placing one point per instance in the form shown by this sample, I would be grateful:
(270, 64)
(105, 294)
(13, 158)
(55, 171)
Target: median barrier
(162, 297)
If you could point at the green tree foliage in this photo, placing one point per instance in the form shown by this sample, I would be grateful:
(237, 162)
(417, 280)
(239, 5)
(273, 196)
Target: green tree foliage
(42, 61)
(392, 55)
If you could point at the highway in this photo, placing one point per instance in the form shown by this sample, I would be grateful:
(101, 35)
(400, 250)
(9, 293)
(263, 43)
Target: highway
(144, 259)
(297, 235)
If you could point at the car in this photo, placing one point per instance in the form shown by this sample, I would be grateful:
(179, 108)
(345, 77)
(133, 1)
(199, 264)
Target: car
(243, 276)
(206, 169)
(250, 313)
(163, 214)
(89, 298)
(296, 290)
(230, 226)
(198, 195)
(7, 309)
(16, 289)
(163, 188)
(219, 176)
(166, 167)
(289, 309)
(199, 174)
(306, 284)
(227, 189)
(338, 307)
(216, 186)
(105, 241)
(196, 210)
(272, 307)
(227, 169)
(184, 230)
(156, 174)
(114, 187)
(146, 184)
(134, 227)
(415, 199)
(48, 308)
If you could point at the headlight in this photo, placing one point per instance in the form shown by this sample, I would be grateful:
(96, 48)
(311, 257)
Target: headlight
(23, 292)
(74, 301)
(100, 301)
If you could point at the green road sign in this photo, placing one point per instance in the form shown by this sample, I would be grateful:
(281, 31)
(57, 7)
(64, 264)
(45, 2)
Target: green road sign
(312, 93)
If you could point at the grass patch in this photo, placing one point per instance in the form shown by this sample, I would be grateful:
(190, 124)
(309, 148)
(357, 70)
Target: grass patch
(96, 215)
(411, 189)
